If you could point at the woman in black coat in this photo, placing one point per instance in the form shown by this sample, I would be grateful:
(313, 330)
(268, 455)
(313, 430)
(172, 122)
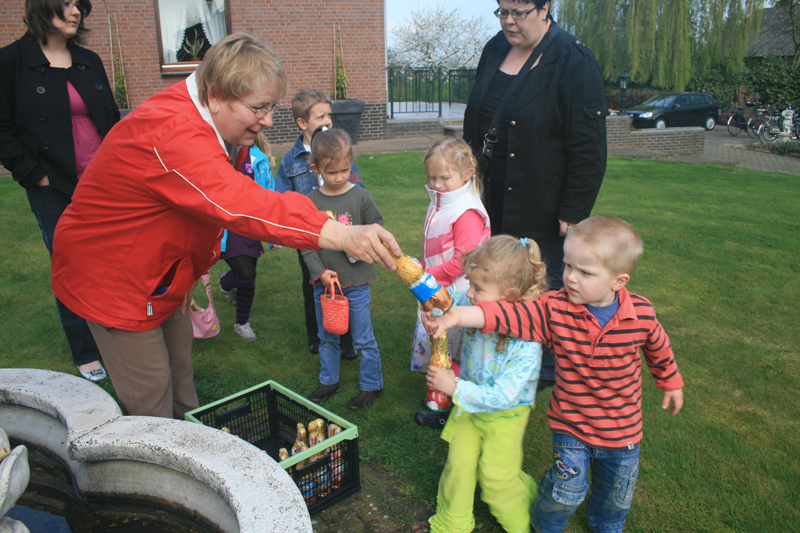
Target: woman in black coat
(55, 107)
(545, 156)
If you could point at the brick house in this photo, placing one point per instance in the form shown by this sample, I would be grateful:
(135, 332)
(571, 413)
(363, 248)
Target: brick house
(303, 36)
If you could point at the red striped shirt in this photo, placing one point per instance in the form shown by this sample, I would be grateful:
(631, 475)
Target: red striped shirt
(597, 398)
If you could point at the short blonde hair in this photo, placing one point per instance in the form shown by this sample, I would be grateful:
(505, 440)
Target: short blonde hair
(456, 152)
(304, 100)
(236, 66)
(514, 264)
(616, 244)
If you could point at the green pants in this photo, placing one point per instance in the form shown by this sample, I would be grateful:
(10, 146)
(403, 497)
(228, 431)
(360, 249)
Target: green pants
(486, 448)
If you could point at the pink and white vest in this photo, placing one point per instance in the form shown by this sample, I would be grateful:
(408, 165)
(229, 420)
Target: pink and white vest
(439, 241)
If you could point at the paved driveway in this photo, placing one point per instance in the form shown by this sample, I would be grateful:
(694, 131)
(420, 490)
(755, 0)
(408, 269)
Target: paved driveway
(719, 146)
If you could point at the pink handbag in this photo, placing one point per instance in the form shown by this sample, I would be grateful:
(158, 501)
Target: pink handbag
(204, 321)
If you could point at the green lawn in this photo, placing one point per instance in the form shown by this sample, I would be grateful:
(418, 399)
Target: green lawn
(720, 265)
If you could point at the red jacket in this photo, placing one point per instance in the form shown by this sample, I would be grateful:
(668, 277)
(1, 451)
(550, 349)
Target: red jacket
(597, 398)
(150, 210)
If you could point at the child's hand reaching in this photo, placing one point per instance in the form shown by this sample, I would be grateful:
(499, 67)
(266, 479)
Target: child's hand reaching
(441, 380)
(326, 277)
(436, 326)
(674, 396)
(465, 316)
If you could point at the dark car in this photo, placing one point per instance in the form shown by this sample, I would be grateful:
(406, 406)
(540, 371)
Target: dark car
(675, 110)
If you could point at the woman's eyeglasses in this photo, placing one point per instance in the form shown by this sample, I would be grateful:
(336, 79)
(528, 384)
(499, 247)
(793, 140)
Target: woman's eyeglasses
(516, 14)
(261, 112)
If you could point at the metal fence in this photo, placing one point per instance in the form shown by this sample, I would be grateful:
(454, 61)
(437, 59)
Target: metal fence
(425, 89)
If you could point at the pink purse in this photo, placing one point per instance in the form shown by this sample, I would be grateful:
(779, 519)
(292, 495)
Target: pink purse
(204, 321)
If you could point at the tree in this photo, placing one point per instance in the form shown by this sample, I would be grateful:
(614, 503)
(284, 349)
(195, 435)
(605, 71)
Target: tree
(792, 10)
(436, 37)
(663, 42)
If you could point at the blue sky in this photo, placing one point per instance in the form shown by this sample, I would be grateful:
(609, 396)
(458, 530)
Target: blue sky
(398, 12)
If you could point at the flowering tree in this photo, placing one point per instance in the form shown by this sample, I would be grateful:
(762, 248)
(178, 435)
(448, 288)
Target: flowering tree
(437, 37)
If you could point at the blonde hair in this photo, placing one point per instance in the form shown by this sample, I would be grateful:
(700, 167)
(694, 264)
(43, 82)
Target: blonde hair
(304, 100)
(456, 152)
(515, 265)
(616, 244)
(330, 144)
(236, 66)
(262, 144)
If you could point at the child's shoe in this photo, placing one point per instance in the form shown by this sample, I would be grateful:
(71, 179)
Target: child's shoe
(230, 296)
(363, 400)
(323, 392)
(349, 355)
(245, 331)
(436, 400)
(435, 420)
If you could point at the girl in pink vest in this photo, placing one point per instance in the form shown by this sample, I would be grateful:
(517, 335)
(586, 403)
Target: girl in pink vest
(456, 223)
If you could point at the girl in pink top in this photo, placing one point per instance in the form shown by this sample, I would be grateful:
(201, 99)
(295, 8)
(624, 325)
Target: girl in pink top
(455, 224)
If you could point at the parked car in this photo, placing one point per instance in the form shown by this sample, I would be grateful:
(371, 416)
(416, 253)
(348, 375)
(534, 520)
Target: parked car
(675, 110)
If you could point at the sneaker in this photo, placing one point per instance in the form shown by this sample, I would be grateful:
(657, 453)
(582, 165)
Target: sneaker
(313, 348)
(435, 420)
(545, 384)
(230, 296)
(323, 392)
(245, 331)
(349, 356)
(95, 376)
(363, 400)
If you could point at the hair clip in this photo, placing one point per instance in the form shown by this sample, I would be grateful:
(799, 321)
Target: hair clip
(524, 242)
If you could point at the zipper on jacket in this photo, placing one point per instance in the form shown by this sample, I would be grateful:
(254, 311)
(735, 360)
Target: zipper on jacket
(149, 308)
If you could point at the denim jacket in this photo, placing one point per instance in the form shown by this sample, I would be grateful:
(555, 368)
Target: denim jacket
(295, 174)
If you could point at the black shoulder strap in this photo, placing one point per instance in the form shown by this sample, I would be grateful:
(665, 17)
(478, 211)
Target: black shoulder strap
(490, 139)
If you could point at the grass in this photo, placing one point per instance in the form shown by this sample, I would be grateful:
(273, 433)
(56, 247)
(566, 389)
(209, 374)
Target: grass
(720, 266)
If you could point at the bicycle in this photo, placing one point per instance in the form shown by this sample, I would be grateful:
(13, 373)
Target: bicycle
(755, 122)
(737, 123)
(771, 129)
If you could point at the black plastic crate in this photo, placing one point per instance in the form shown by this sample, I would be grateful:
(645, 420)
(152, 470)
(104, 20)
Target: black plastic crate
(267, 415)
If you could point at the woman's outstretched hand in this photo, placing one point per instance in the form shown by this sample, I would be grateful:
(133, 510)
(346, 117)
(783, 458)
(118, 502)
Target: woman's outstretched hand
(362, 242)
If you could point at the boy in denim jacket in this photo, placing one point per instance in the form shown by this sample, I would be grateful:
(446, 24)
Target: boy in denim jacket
(310, 109)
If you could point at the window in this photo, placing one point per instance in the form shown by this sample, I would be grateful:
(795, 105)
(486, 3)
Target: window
(698, 99)
(186, 29)
(682, 100)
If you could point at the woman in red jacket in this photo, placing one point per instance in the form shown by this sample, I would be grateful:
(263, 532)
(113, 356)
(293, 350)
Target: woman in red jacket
(147, 218)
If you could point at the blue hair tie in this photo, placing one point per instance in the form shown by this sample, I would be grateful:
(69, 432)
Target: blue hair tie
(524, 242)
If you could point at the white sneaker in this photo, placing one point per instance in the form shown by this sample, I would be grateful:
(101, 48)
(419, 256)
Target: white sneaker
(245, 331)
(230, 296)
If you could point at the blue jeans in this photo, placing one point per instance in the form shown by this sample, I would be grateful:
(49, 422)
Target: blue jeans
(564, 487)
(370, 375)
(48, 204)
(552, 249)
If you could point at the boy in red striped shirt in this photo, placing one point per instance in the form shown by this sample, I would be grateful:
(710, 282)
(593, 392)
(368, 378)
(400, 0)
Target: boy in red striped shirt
(595, 328)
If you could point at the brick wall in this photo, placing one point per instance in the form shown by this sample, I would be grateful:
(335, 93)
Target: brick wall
(671, 141)
(302, 36)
